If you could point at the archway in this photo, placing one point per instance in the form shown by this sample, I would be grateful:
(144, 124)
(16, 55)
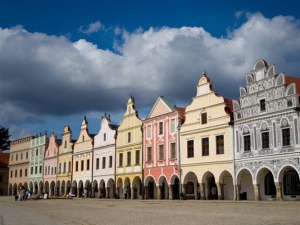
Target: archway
(63, 188)
(41, 188)
(88, 187)
(127, 187)
(74, 188)
(175, 188)
(15, 189)
(290, 183)
(190, 186)
(10, 189)
(80, 189)
(102, 189)
(211, 189)
(95, 189)
(110, 186)
(68, 187)
(57, 188)
(245, 189)
(31, 187)
(36, 187)
(163, 188)
(150, 188)
(47, 187)
(120, 188)
(226, 186)
(265, 185)
(52, 185)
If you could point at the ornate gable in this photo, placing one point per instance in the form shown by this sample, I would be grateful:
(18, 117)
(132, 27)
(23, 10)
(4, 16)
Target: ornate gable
(160, 107)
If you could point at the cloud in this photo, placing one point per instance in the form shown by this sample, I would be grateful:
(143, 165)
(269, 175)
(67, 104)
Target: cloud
(42, 75)
(91, 28)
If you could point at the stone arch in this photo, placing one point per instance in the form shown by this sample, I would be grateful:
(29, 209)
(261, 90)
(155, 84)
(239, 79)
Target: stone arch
(52, 187)
(289, 183)
(110, 188)
(150, 187)
(279, 79)
(88, 187)
(190, 188)
(211, 189)
(80, 188)
(15, 189)
(136, 187)
(25, 185)
(163, 188)
(175, 188)
(74, 188)
(127, 185)
(63, 190)
(120, 188)
(35, 187)
(47, 187)
(95, 189)
(265, 184)
(31, 186)
(41, 187)
(102, 189)
(226, 186)
(245, 189)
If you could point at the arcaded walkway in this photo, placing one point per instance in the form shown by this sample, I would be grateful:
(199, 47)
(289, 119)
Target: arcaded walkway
(109, 211)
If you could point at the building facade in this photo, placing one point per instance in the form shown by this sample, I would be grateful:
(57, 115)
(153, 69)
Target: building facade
(65, 161)
(160, 149)
(19, 164)
(129, 154)
(36, 163)
(267, 148)
(206, 145)
(4, 173)
(104, 159)
(83, 161)
(50, 166)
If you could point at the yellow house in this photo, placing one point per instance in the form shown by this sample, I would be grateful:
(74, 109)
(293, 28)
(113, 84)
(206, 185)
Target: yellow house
(65, 158)
(129, 154)
(206, 146)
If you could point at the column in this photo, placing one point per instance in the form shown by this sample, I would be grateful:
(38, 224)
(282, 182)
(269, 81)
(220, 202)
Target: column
(202, 191)
(256, 192)
(107, 192)
(278, 191)
(220, 191)
(171, 192)
(183, 191)
(238, 191)
(158, 192)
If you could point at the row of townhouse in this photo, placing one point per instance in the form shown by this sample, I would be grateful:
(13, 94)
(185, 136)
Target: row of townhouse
(215, 148)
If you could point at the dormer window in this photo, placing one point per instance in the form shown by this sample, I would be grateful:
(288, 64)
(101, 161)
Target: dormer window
(203, 118)
(262, 104)
(129, 137)
(104, 137)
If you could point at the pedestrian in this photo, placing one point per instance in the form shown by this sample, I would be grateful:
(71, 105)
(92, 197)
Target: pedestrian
(23, 193)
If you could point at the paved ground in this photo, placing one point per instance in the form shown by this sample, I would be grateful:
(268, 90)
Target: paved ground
(104, 211)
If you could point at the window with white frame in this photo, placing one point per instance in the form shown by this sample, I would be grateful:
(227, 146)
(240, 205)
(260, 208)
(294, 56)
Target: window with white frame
(172, 125)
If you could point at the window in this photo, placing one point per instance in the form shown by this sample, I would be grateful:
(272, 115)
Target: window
(103, 162)
(88, 164)
(220, 144)
(104, 137)
(129, 137)
(54, 170)
(11, 174)
(36, 152)
(51, 170)
(291, 183)
(149, 154)
(21, 173)
(76, 166)
(21, 155)
(149, 131)
(247, 143)
(16, 157)
(35, 170)
(82, 165)
(172, 124)
(128, 158)
(270, 188)
(12, 157)
(26, 155)
(203, 118)
(173, 150)
(262, 104)
(69, 168)
(25, 172)
(137, 157)
(161, 152)
(265, 139)
(97, 163)
(65, 167)
(110, 161)
(190, 148)
(59, 168)
(121, 159)
(83, 138)
(286, 137)
(65, 144)
(205, 146)
(160, 128)
(16, 173)
(31, 170)
(46, 171)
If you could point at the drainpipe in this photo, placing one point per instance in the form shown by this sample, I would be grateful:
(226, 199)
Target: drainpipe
(233, 155)
(179, 158)
(92, 181)
(142, 152)
(115, 159)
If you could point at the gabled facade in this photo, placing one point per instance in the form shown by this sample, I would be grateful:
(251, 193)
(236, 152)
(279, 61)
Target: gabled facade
(206, 145)
(83, 161)
(129, 154)
(65, 161)
(104, 159)
(19, 164)
(36, 164)
(160, 149)
(267, 141)
(50, 166)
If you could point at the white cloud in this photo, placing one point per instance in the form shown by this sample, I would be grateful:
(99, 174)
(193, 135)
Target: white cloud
(48, 75)
(91, 28)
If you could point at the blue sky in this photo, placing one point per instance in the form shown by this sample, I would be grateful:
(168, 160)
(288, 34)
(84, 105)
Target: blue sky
(61, 60)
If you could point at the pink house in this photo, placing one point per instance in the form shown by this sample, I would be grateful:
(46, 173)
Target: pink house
(50, 166)
(160, 149)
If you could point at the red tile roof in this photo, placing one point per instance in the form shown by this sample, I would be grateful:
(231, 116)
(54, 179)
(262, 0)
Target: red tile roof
(4, 159)
(295, 80)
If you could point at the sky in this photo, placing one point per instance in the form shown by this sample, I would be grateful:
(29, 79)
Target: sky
(61, 60)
